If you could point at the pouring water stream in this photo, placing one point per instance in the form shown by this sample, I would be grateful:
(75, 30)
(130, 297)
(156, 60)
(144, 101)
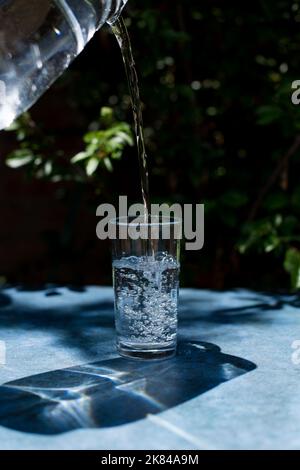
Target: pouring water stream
(120, 31)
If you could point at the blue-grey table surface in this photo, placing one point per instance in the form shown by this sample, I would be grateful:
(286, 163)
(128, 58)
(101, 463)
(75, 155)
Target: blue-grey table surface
(234, 385)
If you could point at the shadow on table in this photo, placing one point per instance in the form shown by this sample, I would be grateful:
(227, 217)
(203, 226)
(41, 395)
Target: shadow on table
(222, 308)
(77, 324)
(114, 392)
(4, 300)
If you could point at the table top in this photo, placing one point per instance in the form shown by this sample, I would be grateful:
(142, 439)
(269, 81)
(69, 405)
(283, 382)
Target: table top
(234, 383)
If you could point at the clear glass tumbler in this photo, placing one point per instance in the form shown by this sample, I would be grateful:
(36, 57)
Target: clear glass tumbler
(146, 283)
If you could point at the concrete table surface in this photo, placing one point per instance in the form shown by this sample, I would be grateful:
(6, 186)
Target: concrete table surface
(235, 383)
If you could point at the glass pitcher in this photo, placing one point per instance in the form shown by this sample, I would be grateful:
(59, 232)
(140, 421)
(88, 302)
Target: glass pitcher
(38, 41)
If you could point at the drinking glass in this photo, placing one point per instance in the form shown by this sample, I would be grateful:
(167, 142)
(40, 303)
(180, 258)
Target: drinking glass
(146, 282)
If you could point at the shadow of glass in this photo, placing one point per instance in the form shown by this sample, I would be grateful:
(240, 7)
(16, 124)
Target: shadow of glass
(114, 392)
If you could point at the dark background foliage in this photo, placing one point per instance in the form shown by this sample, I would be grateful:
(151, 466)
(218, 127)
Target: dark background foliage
(221, 130)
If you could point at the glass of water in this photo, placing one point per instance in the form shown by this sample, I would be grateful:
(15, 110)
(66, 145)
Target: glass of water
(146, 283)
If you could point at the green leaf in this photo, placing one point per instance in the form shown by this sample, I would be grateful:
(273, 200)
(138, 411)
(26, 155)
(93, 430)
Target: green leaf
(271, 243)
(122, 138)
(48, 168)
(92, 166)
(292, 266)
(79, 157)
(93, 137)
(19, 158)
(268, 114)
(259, 235)
(108, 164)
(106, 115)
